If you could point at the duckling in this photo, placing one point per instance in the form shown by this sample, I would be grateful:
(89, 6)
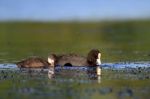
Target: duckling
(93, 59)
(37, 62)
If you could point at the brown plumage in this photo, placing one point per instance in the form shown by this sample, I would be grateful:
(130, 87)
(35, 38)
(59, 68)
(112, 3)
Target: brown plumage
(77, 60)
(33, 62)
(71, 60)
(93, 59)
(62, 60)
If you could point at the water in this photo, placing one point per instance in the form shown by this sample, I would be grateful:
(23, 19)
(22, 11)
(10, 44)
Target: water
(118, 80)
(117, 41)
(125, 56)
(119, 65)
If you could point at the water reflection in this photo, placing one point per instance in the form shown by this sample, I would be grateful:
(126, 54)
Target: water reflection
(51, 73)
(74, 74)
(76, 82)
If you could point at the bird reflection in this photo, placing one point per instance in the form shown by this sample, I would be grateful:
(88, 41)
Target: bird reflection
(88, 74)
(51, 73)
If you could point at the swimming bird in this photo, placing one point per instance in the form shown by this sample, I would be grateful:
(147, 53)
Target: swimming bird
(37, 62)
(93, 59)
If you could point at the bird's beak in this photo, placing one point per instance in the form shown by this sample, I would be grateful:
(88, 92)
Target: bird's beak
(51, 61)
(98, 62)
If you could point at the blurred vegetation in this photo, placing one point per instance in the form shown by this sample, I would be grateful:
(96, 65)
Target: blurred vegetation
(117, 40)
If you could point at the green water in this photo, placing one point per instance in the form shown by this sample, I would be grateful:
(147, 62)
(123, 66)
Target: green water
(114, 84)
(118, 41)
(123, 41)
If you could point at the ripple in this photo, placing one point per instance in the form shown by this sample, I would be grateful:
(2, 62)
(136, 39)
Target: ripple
(8, 66)
(119, 65)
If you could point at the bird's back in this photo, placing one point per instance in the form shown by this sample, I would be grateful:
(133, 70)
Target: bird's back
(33, 62)
(72, 59)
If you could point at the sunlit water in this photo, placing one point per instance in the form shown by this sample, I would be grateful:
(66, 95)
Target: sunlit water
(119, 65)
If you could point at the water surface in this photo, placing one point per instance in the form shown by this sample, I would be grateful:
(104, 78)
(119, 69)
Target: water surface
(118, 80)
(125, 56)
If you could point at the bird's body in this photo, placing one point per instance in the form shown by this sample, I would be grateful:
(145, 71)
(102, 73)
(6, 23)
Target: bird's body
(92, 59)
(72, 59)
(33, 62)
